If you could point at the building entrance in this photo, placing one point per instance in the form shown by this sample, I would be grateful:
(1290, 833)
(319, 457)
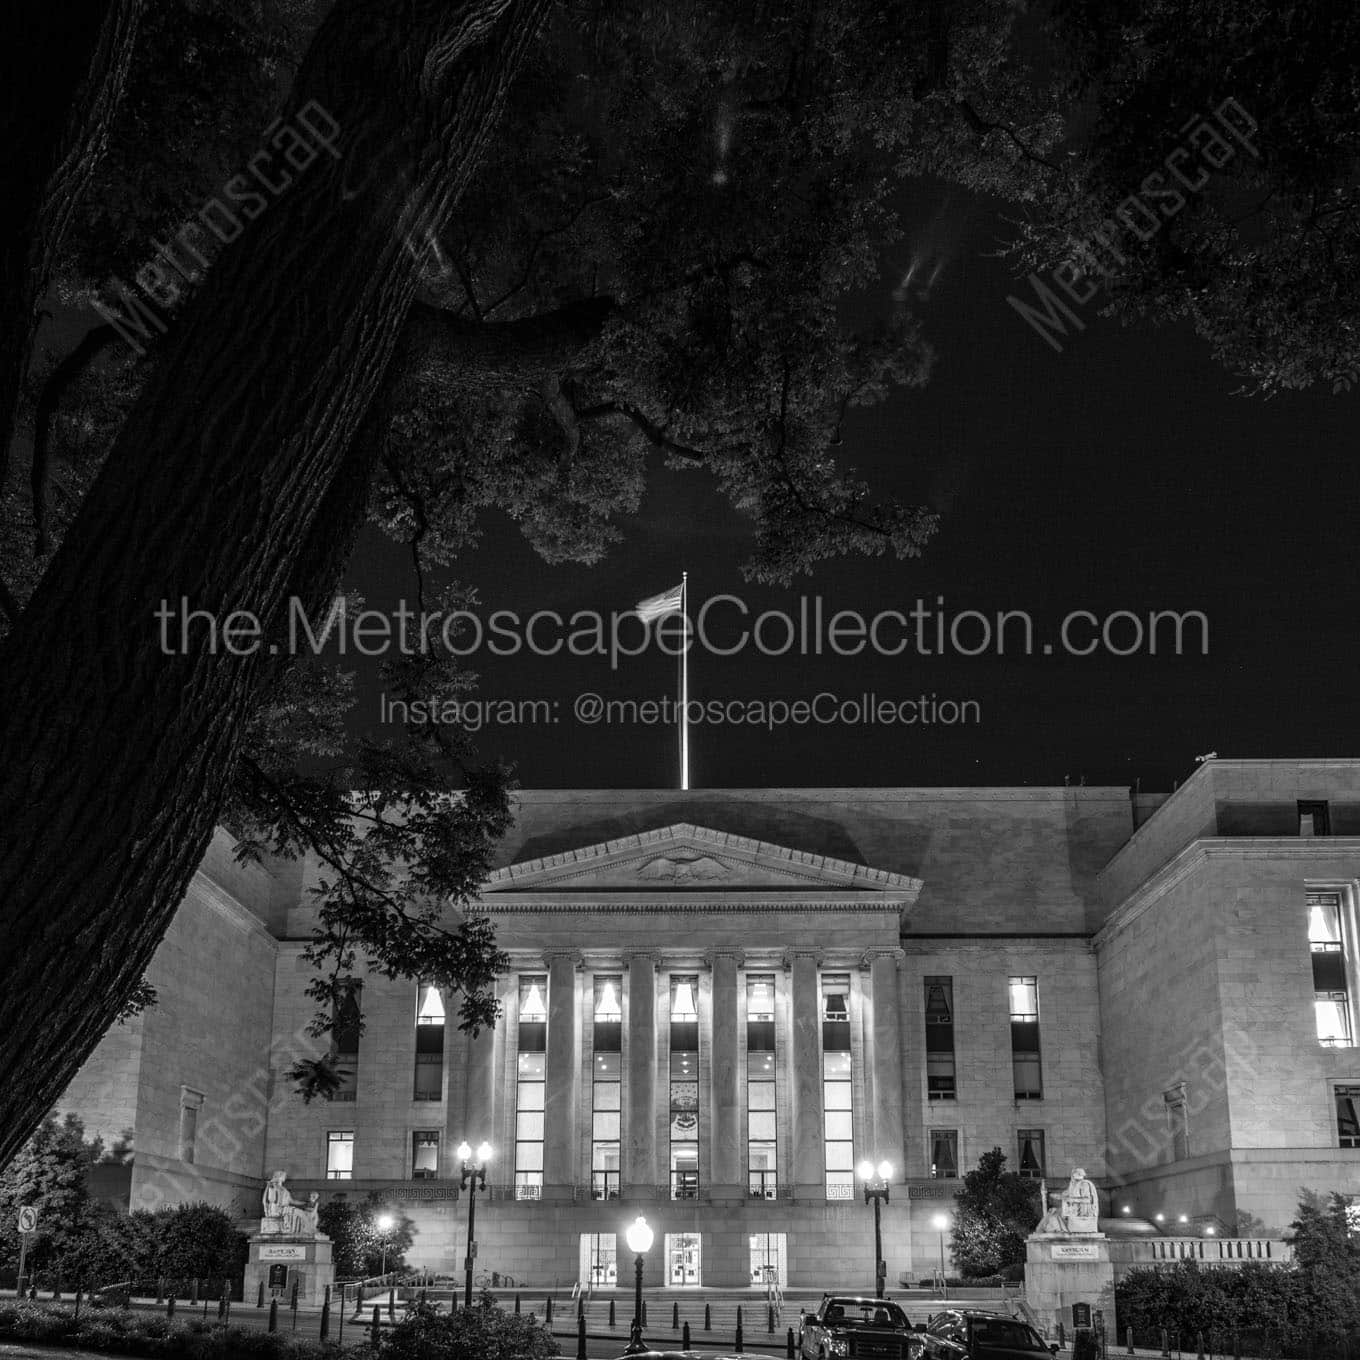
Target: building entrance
(683, 1255)
(769, 1259)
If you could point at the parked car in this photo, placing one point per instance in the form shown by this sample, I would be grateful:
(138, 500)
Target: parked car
(978, 1335)
(847, 1327)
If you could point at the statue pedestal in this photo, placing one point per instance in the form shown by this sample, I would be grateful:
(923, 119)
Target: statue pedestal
(1066, 1268)
(278, 1259)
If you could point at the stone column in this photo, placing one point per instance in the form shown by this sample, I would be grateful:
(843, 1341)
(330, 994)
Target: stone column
(805, 1076)
(639, 1125)
(888, 1141)
(725, 1090)
(562, 1079)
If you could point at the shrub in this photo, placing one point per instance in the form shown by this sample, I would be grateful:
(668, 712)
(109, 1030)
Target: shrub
(479, 1333)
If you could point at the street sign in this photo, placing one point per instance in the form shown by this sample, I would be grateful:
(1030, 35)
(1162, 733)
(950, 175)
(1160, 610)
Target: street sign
(28, 1219)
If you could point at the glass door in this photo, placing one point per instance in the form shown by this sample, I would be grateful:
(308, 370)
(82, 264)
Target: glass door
(683, 1259)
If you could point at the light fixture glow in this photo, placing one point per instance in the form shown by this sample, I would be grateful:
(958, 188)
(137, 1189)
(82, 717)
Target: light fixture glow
(483, 1152)
(683, 1006)
(940, 1222)
(885, 1170)
(1209, 1231)
(1128, 1209)
(464, 1152)
(385, 1222)
(1184, 1218)
(607, 1008)
(639, 1236)
(1161, 1218)
(866, 1170)
(532, 1007)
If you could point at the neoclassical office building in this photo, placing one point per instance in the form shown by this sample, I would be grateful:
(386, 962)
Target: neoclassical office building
(720, 1003)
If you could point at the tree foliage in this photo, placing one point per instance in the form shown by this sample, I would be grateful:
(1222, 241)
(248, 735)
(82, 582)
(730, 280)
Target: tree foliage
(357, 1240)
(995, 1212)
(482, 1332)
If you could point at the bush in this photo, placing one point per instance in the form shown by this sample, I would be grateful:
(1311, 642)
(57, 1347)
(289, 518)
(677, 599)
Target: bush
(479, 1333)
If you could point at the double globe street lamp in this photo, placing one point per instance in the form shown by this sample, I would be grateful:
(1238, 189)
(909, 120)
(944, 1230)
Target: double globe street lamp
(639, 1238)
(876, 1180)
(472, 1173)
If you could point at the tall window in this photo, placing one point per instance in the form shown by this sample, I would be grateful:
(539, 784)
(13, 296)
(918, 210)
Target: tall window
(940, 1077)
(838, 1114)
(684, 1082)
(1031, 1162)
(1331, 999)
(1347, 1115)
(944, 1154)
(606, 1089)
(425, 1154)
(340, 1155)
(1029, 1083)
(761, 1160)
(429, 1043)
(346, 1025)
(532, 1049)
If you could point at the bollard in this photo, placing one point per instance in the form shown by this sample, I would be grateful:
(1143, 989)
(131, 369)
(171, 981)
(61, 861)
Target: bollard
(170, 1305)
(738, 1345)
(326, 1314)
(770, 1309)
(1199, 1346)
(221, 1307)
(259, 1302)
(1062, 1339)
(293, 1304)
(77, 1300)
(675, 1317)
(611, 1312)
(377, 1328)
(547, 1311)
(160, 1291)
(1128, 1339)
(193, 1293)
(391, 1303)
(644, 1312)
(788, 1345)
(273, 1315)
(1166, 1344)
(422, 1297)
(226, 1300)
(516, 1304)
(708, 1319)
(580, 1305)
(580, 1336)
(684, 1338)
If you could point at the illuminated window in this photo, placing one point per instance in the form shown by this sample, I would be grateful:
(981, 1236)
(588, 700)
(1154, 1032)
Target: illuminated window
(347, 1023)
(1024, 994)
(340, 1155)
(761, 1144)
(940, 1073)
(1031, 1143)
(684, 1089)
(606, 1089)
(429, 1083)
(1331, 990)
(532, 1046)
(944, 1154)
(837, 1086)
(425, 1154)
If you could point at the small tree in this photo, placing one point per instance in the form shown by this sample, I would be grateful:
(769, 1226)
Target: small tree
(48, 1174)
(357, 1242)
(997, 1210)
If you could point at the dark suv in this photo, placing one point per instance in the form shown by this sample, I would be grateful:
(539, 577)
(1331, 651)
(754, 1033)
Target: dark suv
(849, 1327)
(959, 1333)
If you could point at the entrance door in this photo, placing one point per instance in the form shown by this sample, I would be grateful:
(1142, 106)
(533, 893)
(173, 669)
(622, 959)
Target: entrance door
(683, 1258)
(598, 1259)
(769, 1259)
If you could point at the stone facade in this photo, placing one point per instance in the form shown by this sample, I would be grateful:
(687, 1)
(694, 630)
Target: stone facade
(1166, 940)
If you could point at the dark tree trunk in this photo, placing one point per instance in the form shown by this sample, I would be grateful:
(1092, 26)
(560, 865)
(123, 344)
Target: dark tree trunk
(60, 83)
(115, 755)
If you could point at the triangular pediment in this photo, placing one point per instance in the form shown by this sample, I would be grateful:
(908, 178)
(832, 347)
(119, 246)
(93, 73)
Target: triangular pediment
(687, 858)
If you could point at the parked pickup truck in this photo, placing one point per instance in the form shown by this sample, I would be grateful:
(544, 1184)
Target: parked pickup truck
(851, 1328)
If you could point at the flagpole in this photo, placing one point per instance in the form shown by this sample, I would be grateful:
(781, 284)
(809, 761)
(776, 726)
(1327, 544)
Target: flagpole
(684, 680)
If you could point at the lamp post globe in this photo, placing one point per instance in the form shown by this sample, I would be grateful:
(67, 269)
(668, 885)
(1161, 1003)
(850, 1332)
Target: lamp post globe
(385, 1224)
(639, 1238)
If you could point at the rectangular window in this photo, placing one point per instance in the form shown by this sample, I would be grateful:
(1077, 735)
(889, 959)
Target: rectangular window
(944, 1154)
(429, 1084)
(340, 1155)
(837, 1087)
(425, 1154)
(940, 1075)
(530, 1072)
(1315, 817)
(762, 1166)
(1347, 1115)
(606, 1088)
(684, 1088)
(1331, 990)
(1024, 995)
(346, 1025)
(1031, 1143)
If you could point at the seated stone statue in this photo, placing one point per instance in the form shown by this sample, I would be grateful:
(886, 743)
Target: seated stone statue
(283, 1215)
(1080, 1204)
(1052, 1221)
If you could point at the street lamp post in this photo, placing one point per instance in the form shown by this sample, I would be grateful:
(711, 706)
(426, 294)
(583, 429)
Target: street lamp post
(876, 1189)
(639, 1238)
(941, 1225)
(472, 1173)
(385, 1225)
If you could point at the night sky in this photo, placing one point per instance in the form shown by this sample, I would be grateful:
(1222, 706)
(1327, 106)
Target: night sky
(1123, 473)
